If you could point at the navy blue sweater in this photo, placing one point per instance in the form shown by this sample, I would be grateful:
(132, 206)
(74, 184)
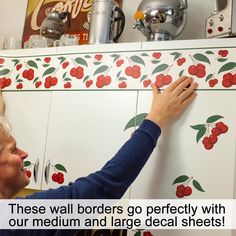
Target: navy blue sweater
(110, 182)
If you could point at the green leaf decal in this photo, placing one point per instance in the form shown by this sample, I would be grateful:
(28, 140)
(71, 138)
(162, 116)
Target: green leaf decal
(4, 72)
(197, 127)
(38, 59)
(214, 118)
(198, 186)
(115, 55)
(176, 54)
(118, 74)
(160, 68)
(155, 61)
(87, 56)
(200, 134)
(144, 55)
(137, 233)
(209, 52)
(222, 59)
(181, 73)
(96, 63)
(35, 80)
(46, 65)
(209, 77)
(143, 78)
(122, 79)
(64, 75)
(60, 167)
(201, 57)
(67, 79)
(181, 179)
(49, 71)
(138, 60)
(226, 67)
(136, 121)
(32, 64)
(17, 77)
(100, 70)
(81, 61)
(62, 59)
(86, 78)
(27, 163)
(15, 62)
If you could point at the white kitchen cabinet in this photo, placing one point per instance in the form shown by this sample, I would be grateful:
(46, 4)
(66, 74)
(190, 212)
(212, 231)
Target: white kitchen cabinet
(28, 114)
(87, 118)
(85, 130)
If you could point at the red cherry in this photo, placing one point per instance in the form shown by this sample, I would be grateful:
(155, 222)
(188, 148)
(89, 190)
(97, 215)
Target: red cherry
(129, 71)
(187, 191)
(224, 129)
(213, 139)
(119, 62)
(25, 74)
(167, 80)
(122, 84)
(54, 177)
(216, 131)
(106, 80)
(147, 233)
(73, 72)
(47, 59)
(7, 82)
(38, 84)
(53, 81)
(65, 64)
(156, 55)
(180, 187)
(28, 173)
(179, 194)
(205, 140)
(226, 82)
(60, 180)
(192, 70)
(146, 83)
(98, 57)
(88, 83)
(201, 73)
(18, 67)
(19, 86)
(208, 146)
(2, 60)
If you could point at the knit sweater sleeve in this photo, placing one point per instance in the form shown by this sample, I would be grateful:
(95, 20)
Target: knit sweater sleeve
(117, 175)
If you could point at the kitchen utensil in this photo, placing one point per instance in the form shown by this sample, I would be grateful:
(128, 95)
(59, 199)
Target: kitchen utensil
(53, 26)
(107, 22)
(161, 19)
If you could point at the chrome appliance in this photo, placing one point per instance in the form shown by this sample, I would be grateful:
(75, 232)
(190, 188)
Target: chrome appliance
(107, 22)
(222, 22)
(161, 19)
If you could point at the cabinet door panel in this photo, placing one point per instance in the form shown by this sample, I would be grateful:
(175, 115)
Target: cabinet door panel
(28, 114)
(178, 153)
(85, 130)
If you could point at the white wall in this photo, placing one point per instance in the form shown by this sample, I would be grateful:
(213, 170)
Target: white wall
(12, 17)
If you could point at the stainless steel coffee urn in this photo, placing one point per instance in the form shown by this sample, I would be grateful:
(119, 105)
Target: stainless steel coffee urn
(107, 22)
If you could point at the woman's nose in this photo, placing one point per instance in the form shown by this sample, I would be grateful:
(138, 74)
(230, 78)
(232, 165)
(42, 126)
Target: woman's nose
(23, 154)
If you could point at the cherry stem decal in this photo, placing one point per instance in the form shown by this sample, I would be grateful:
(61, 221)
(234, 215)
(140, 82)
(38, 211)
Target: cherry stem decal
(184, 188)
(210, 130)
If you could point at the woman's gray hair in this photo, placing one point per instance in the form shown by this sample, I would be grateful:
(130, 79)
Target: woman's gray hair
(5, 128)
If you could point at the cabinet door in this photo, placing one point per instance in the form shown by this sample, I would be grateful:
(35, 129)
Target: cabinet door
(179, 158)
(28, 114)
(85, 130)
